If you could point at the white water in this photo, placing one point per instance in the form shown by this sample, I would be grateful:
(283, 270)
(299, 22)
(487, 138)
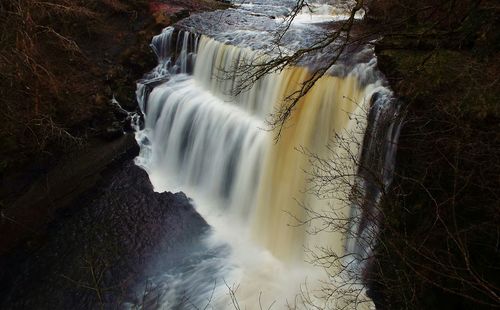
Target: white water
(202, 139)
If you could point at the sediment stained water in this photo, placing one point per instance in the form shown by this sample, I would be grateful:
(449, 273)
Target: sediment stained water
(204, 137)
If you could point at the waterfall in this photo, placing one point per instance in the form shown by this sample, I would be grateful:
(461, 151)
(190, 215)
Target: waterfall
(204, 136)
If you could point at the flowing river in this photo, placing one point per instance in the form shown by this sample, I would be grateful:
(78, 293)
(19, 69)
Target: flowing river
(293, 208)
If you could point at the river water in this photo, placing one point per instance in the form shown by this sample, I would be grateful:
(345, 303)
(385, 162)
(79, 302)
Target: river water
(289, 226)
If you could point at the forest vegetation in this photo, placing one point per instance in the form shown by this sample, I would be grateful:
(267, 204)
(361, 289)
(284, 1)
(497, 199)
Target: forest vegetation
(439, 246)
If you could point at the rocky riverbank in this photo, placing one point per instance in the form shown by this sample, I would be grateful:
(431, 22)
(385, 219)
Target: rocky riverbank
(101, 252)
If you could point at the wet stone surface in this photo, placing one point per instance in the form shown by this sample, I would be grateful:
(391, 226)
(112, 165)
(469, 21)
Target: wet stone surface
(246, 26)
(101, 253)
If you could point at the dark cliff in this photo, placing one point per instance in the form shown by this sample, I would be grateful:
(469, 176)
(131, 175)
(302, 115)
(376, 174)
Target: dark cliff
(439, 244)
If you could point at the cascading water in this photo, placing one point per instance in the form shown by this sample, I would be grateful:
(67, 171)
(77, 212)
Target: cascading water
(203, 136)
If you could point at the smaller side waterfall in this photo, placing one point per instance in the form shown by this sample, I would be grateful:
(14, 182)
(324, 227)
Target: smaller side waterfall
(175, 50)
(375, 172)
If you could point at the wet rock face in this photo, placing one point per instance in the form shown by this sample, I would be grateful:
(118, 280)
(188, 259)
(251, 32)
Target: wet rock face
(100, 254)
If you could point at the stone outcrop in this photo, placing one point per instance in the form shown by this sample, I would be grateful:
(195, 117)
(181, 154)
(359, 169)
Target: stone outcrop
(102, 251)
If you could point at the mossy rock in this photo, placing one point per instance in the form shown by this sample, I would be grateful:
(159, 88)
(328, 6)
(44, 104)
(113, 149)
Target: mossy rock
(452, 78)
